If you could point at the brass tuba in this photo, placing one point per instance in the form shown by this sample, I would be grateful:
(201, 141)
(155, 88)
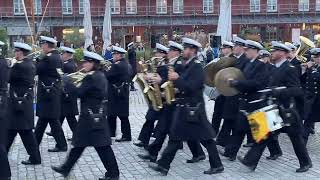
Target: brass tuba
(306, 44)
(77, 77)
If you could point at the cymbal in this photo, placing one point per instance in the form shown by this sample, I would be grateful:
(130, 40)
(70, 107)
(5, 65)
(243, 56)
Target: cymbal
(222, 80)
(212, 68)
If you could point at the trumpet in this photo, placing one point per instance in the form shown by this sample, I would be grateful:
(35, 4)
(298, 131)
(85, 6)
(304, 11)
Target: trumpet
(34, 55)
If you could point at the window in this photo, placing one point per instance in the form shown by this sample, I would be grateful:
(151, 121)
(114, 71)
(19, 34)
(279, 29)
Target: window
(272, 5)
(161, 6)
(177, 6)
(18, 7)
(66, 6)
(318, 5)
(254, 5)
(131, 6)
(207, 6)
(303, 5)
(37, 7)
(81, 10)
(115, 6)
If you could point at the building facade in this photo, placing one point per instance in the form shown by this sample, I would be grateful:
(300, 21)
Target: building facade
(147, 19)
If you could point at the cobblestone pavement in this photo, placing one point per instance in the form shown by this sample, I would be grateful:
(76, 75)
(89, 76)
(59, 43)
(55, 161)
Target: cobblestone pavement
(131, 167)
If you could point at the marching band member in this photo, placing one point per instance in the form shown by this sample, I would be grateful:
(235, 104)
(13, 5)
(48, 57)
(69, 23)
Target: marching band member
(49, 91)
(5, 172)
(93, 129)
(226, 51)
(152, 116)
(132, 57)
(20, 104)
(283, 75)
(163, 127)
(311, 79)
(292, 58)
(118, 94)
(255, 79)
(190, 121)
(69, 105)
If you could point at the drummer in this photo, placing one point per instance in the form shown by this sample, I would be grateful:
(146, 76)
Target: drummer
(284, 74)
(255, 75)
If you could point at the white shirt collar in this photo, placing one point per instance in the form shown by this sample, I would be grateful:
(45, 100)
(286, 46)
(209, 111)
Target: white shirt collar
(252, 60)
(173, 60)
(190, 59)
(239, 56)
(278, 64)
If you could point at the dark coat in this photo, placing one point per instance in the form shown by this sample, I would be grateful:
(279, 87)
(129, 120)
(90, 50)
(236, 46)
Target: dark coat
(4, 73)
(21, 115)
(132, 57)
(231, 103)
(90, 132)
(186, 126)
(311, 81)
(49, 86)
(286, 75)
(297, 64)
(69, 106)
(4, 76)
(255, 79)
(118, 89)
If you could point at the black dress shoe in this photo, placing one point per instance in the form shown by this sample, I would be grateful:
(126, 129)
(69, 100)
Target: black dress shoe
(304, 168)
(273, 157)
(140, 144)
(49, 133)
(250, 167)
(248, 145)
(109, 178)
(56, 149)
(123, 139)
(28, 162)
(196, 159)
(148, 157)
(159, 168)
(214, 170)
(60, 170)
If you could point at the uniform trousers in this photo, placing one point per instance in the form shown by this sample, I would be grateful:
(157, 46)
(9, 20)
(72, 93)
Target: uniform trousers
(5, 172)
(217, 114)
(148, 127)
(56, 130)
(72, 121)
(173, 146)
(125, 126)
(224, 135)
(254, 154)
(105, 153)
(29, 141)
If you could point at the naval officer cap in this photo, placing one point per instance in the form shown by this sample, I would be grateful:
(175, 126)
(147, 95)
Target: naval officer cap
(253, 45)
(173, 46)
(264, 53)
(67, 49)
(291, 46)
(315, 52)
(92, 57)
(22, 46)
(118, 50)
(187, 42)
(161, 48)
(1, 43)
(239, 41)
(278, 46)
(227, 44)
(45, 39)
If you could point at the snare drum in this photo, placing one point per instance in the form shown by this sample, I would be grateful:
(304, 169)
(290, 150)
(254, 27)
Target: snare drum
(265, 121)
